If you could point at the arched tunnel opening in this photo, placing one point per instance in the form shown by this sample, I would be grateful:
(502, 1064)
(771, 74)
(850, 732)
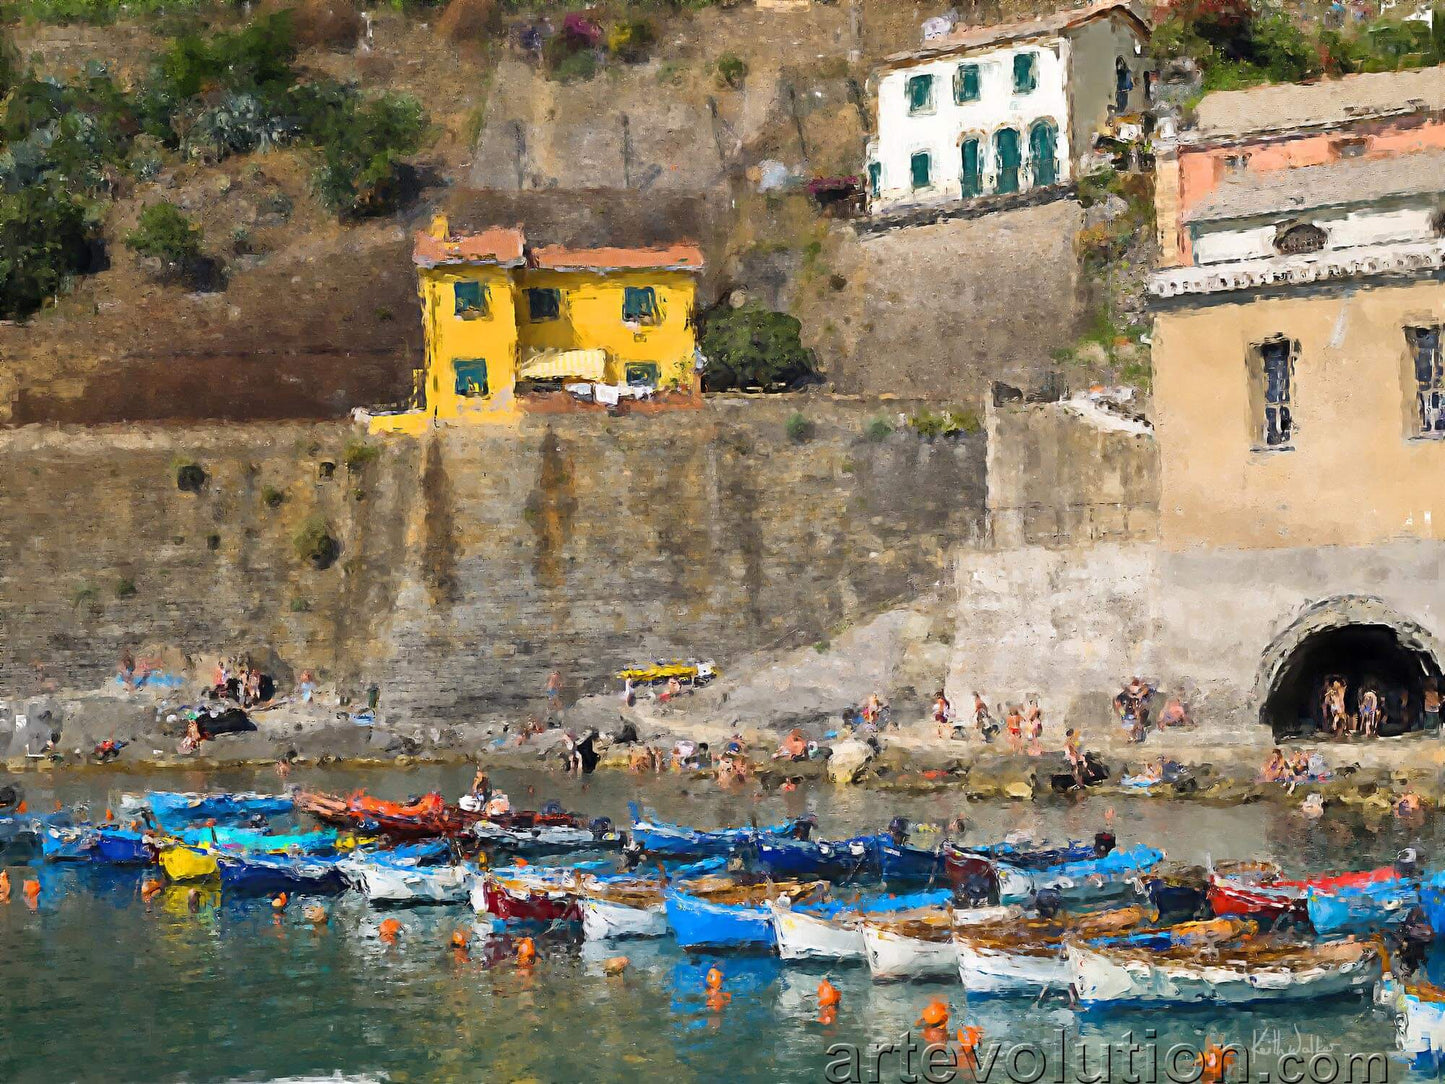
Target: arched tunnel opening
(1363, 656)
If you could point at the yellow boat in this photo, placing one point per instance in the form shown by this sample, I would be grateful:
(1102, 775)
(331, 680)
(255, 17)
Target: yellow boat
(688, 672)
(183, 863)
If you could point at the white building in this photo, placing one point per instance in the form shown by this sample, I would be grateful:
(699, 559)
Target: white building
(1001, 109)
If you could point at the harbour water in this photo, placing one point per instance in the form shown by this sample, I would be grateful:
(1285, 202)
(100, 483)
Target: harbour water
(100, 986)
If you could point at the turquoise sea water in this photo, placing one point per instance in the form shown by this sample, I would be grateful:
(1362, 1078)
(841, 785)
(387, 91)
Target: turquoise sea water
(100, 986)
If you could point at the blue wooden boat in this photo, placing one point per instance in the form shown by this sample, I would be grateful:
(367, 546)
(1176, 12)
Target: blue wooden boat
(122, 847)
(904, 864)
(1360, 910)
(828, 860)
(260, 841)
(736, 917)
(1026, 856)
(259, 874)
(175, 810)
(1086, 881)
(678, 841)
(1432, 901)
(68, 843)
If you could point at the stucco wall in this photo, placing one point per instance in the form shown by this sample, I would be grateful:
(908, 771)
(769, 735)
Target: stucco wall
(1356, 474)
(473, 564)
(1074, 624)
(947, 308)
(1094, 48)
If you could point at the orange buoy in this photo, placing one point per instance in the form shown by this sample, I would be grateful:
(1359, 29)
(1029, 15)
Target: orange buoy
(388, 930)
(520, 861)
(935, 1022)
(279, 902)
(150, 888)
(717, 999)
(31, 891)
(109, 814)
(315, 914)
(828, 995)
(526, 952)
(58, 806)
(459, 938)
(714, 979)
(968, 1039)
(23, 807)
(615, 965)
(4, 887)
(1213, 1062)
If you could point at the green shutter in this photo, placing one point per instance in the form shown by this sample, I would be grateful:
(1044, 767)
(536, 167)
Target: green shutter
(471, 377)
(543, 304)
(965, 84)
(919, 169)
(875, 177)
(1043, 151)
(920, 93)
(1006, 157)
(972, 168)
(470, 298)
(642, 374)
(1026, 72)
(639, 304)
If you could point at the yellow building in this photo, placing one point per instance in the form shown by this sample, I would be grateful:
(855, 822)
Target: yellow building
(507, 329)
(1299, 389)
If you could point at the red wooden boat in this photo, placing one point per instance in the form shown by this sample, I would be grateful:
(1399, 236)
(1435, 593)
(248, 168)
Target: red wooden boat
(1260, 890)
(426, 817)
(522, 901)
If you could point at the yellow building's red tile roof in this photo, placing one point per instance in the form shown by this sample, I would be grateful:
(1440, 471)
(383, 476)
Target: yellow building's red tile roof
(681, 257)
(501, 245)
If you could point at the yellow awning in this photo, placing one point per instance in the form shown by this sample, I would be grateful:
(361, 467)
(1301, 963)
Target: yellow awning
(561, 364)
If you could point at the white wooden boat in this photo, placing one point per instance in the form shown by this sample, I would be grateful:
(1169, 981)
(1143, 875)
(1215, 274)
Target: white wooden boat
(835, 931)
(1027, 957)
(603, 919)
(396, 883)
(1252, 971)
(919, 944)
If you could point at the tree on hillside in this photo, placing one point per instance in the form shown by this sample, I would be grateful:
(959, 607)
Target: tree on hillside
(752, 347)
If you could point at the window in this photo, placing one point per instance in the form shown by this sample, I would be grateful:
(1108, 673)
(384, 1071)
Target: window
(920, 169)
(1026, 72)
(965, 84)
(642, 374)
(471, 377)
(1429, 381)
(470, 298)
(639, 305)
(972, 177)
(1295, 238)
(1043, 153)
(875, 178)
(1276, 363)
(543, 304)
(920, 94)
(1006, 157)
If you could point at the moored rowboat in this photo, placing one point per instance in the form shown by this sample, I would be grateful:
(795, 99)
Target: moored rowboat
(919, 944)
(834, 931)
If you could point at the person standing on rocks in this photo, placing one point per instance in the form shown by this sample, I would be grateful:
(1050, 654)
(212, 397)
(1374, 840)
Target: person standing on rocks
(554, 695)
(1034, 724)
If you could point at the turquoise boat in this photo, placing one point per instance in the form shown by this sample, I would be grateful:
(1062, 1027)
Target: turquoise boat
(259, 841)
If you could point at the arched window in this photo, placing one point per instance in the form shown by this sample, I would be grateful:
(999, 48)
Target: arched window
(1044, 153)
(1294, 238)
(1007, 158)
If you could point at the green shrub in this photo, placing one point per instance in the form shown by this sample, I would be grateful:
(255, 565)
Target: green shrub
(358, 454)
(751, 347)
(631, 40)
(878, 430)
(363, 148)
(574, 67)
(272, 497)
(163, 232)
(732, 70)
(45, 239)
(125, 588)
(798, 428)
(190, 477)
(314, 542)
(950, 422)
(300, 606)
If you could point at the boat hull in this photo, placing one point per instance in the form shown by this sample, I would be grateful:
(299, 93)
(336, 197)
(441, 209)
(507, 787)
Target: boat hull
(801, 936)
(188, 864)
(998, 973)
(698, 924)
(260, 875)
(117, 847)
(69, 844)
(384, 884)
(841, 860)
(909, 865)
(893, 957)
(523, 903)
(1360, 911)
(603, 920)
(1099, 978)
